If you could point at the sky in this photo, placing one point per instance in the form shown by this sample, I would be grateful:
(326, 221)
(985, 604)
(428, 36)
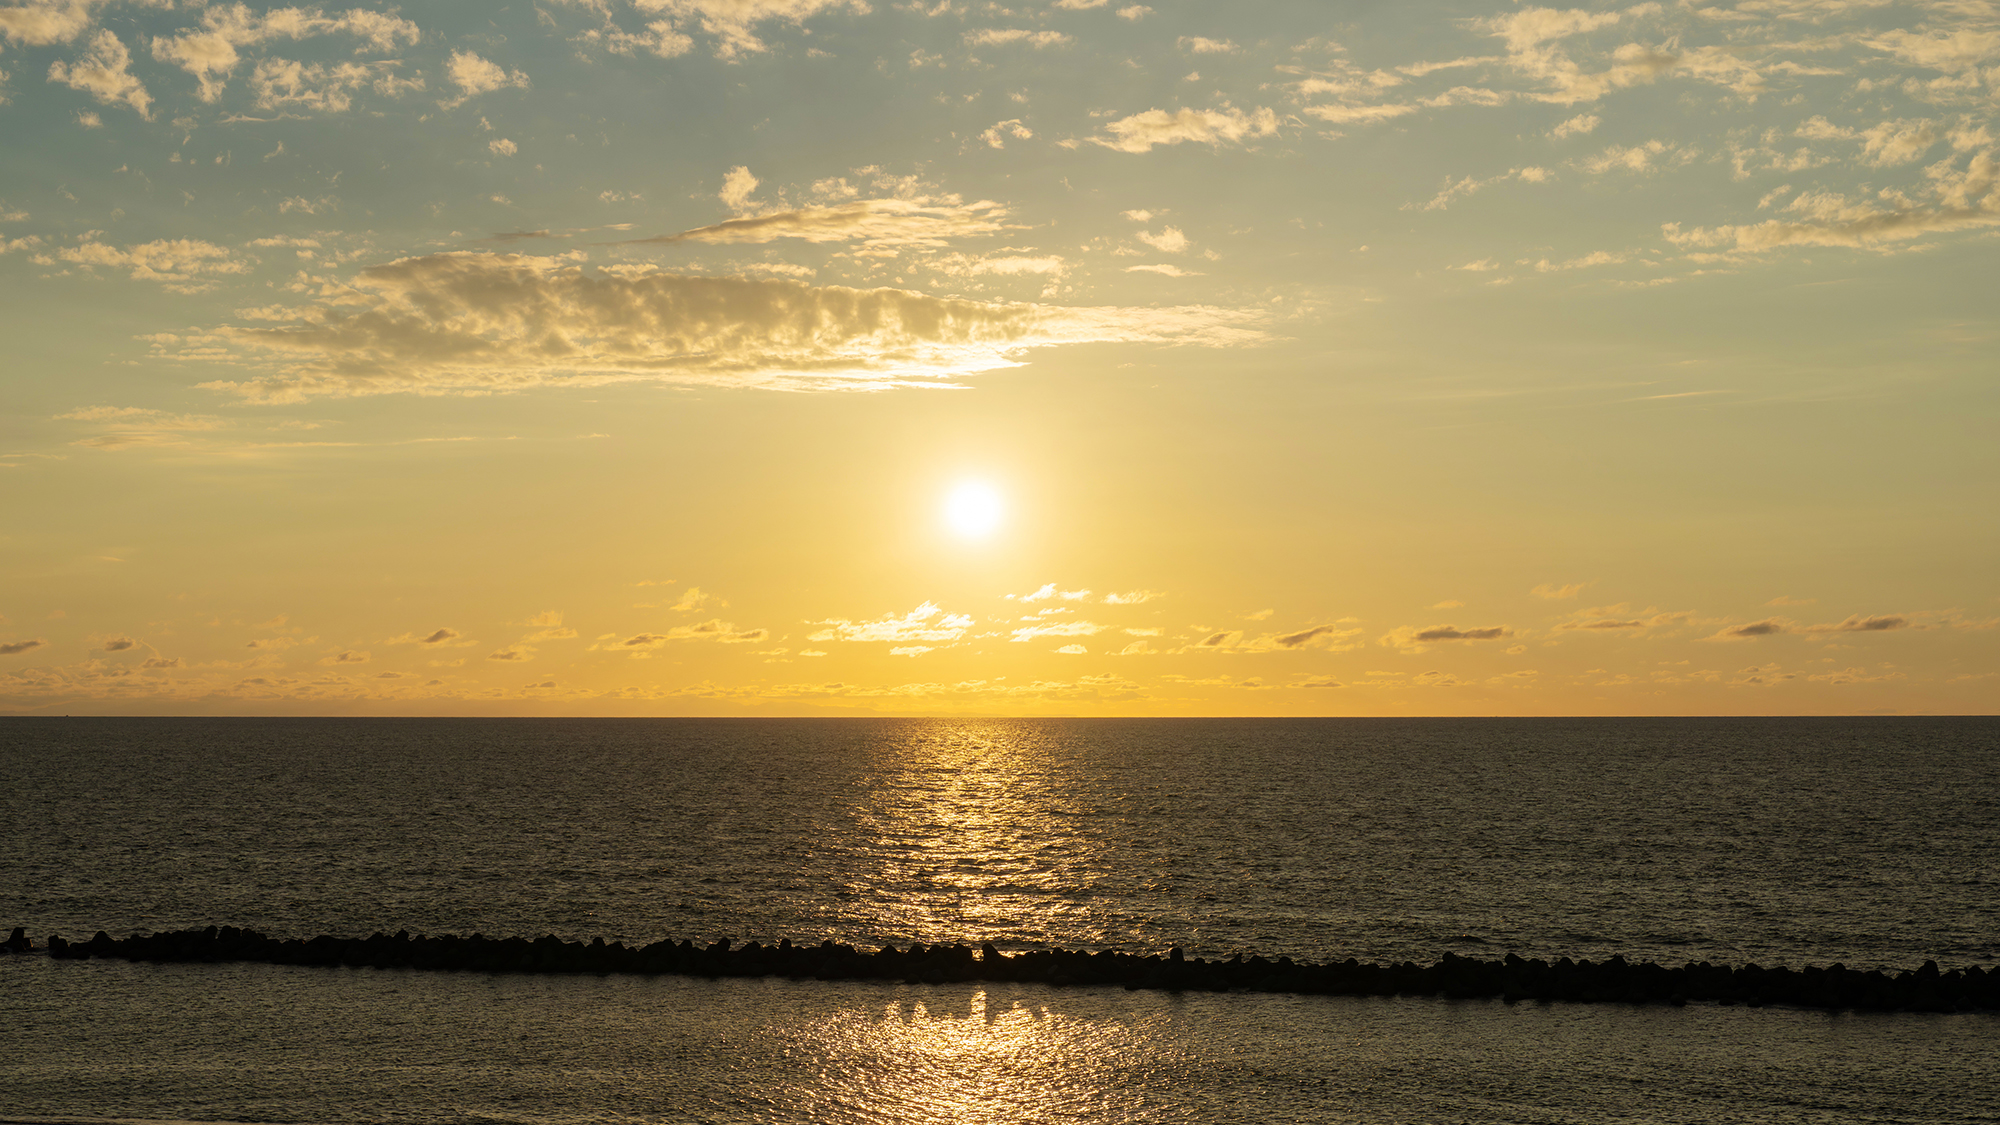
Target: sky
(1085, 357)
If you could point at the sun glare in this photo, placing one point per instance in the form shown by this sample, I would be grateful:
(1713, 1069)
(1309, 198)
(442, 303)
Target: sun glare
(974, 510)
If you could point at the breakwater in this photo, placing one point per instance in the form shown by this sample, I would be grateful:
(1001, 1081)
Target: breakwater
(1511, 978)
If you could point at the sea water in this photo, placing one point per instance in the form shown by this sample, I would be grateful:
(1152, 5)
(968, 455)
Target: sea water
(1865, 841)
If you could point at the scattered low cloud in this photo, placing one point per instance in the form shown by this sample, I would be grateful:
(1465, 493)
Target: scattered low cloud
(1142, 132)
(1412, 638)
(998, 134)
(474, 74)
(1880, 623)
(436, 638)
(921, 221)
(1576, 126)
(185, 264)
(105, 73)
(1768, 627)
(212, 52)
(1553, 592)
(1057, 629)
(925, 623)
(712, 630)
(15, 648)
(1015, 36)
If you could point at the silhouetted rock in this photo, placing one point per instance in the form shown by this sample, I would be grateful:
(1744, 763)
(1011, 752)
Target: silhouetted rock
(1511, 979)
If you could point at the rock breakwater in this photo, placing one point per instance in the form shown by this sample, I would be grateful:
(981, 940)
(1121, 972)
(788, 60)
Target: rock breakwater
(1511, 978)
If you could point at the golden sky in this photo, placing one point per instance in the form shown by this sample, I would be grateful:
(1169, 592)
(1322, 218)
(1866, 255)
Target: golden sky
(800, 357)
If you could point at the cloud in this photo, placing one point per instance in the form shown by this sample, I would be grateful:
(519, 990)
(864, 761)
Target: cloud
(1169, 241)
(660, 39)
(210, 54)
(1132, 597)
(1858, 624)
(1770, 626)
(119, 644)
(1606, 620)
(1196, 45)
(512, 654)
(474, 74)
(996, 137)
(737, 186)
(1358, 114)
(919, 221)
(1142, 131)
(1008, 36)
(502, 147)
(1466, 185)
(1960, 198)
(1449, 604)
(183, 263)
(1553, 592)
(1413, 639)
(105, 73)
(1576, 126)
(1046, 591)
(1451, 633)
(925, 623)
(713, 630)
(1532, 37)
(1527, 29)
(13, 648)
(1306, 638)
(1164, 270)
(50, 21)
(161, 662)
(476, 322)
(1898, 142)
(1948, 51)
(1626, 158)
(693, 599)
(731, 21)
(345, 658)
(439, 637)
(1073, 650)
(1057, 629)
(285, 84)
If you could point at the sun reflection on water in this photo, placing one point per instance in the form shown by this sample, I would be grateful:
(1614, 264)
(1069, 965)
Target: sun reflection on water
(976, 1058)
(977, 833)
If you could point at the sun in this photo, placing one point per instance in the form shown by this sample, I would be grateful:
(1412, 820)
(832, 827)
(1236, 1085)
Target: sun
(974, 510)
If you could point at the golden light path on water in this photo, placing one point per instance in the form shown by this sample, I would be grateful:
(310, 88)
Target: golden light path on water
(981, 832)
(979, 1059)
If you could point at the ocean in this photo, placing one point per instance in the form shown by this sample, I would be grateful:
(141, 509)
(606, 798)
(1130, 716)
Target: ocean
(1864, 841)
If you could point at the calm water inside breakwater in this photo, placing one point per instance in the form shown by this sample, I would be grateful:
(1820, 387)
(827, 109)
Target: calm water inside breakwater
(1867, 841)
